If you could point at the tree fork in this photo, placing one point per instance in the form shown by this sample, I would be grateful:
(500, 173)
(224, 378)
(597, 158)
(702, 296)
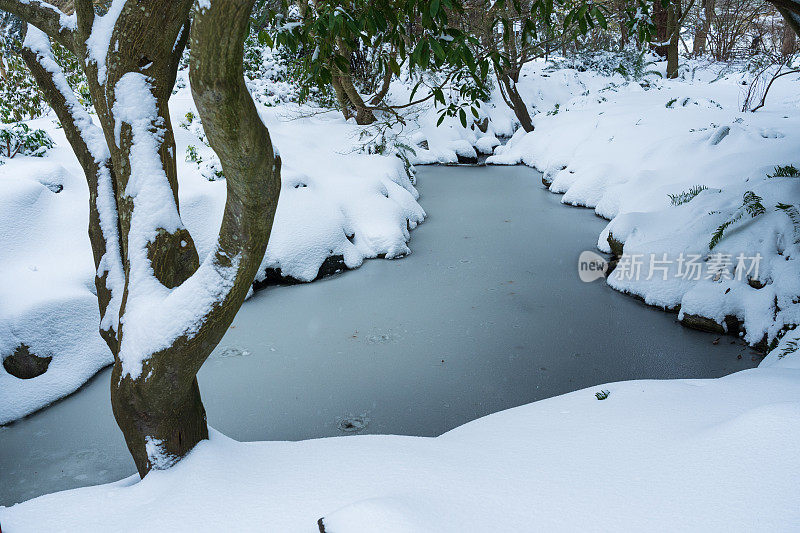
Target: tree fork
(161, 412)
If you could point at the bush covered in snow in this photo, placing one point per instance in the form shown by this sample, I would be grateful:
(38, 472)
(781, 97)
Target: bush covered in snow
(20, 139)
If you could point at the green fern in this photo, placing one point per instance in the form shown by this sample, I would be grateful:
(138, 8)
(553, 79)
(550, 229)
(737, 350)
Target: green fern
(787, 171)
(791, 347)
(686, 196)
(794, 215)
(752, 204)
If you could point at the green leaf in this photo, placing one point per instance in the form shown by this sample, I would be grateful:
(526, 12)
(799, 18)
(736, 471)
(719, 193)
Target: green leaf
(463, 116)
(434, 8)
(394, 66)
(341, 63)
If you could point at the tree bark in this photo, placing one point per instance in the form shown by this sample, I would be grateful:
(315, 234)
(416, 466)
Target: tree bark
(707, 10)
(673, 32)
(661, 22)
(790, 11)
(154, 390)
(162, 415)
(341, 97)
(508, 88)
(789, 41)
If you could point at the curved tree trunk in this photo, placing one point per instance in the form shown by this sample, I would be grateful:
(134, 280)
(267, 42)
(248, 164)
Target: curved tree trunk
(160, 412)
(508, 88)
(384, 90)
(790, 11)
(162, 312)
(341, 98)
(364, 115)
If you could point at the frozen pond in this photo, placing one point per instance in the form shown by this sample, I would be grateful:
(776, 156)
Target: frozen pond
(487, 313)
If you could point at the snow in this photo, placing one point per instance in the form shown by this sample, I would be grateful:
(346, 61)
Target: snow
(111, 263)
(623, 147)
(679, 454)
(69, 22)
(99, 40)
(645, 458)
(47, 287)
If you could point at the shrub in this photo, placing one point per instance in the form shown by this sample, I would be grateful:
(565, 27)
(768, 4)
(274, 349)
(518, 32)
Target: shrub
(21, 139)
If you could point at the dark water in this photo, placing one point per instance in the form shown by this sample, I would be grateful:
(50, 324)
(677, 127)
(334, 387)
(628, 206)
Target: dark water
(487, 313)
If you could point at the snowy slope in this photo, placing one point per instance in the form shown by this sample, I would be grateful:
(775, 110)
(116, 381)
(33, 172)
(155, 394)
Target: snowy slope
(646, 458)
(624, 147)
(334, 202)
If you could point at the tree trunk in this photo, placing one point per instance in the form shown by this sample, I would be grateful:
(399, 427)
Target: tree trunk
(147, 275)
(707, 12)
(789, 41)
(623, 27)
(790, 11)
(661, 22)
(673, 33)
(341, 97)
(508, 88)
(384, 89)
(364, 115)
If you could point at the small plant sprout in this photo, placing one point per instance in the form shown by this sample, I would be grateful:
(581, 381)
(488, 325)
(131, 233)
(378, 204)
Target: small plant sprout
(192, 156)
(602, 395)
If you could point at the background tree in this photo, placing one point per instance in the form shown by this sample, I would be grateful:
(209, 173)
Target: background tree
(413, 34)
(162, 310)
(703, 25)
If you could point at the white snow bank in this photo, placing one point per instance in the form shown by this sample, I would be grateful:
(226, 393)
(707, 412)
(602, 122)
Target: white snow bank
(645, 458)
(622, 150)
(47, 293)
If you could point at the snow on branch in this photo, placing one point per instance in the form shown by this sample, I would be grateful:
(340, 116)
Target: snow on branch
(47, 17)
(99, 40)
(155, 316)
(94, 144)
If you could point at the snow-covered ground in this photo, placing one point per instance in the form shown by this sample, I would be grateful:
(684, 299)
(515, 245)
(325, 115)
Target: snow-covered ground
(623, 148)
(334, 202)
(682, 455)
(657, 455)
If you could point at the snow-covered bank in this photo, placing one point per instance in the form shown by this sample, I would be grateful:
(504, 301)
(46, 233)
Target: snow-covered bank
(644, 458)
(334, 202)
(630, 149)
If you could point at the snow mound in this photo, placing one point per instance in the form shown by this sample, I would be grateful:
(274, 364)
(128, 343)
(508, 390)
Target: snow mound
(47, 287)
(645, 458)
